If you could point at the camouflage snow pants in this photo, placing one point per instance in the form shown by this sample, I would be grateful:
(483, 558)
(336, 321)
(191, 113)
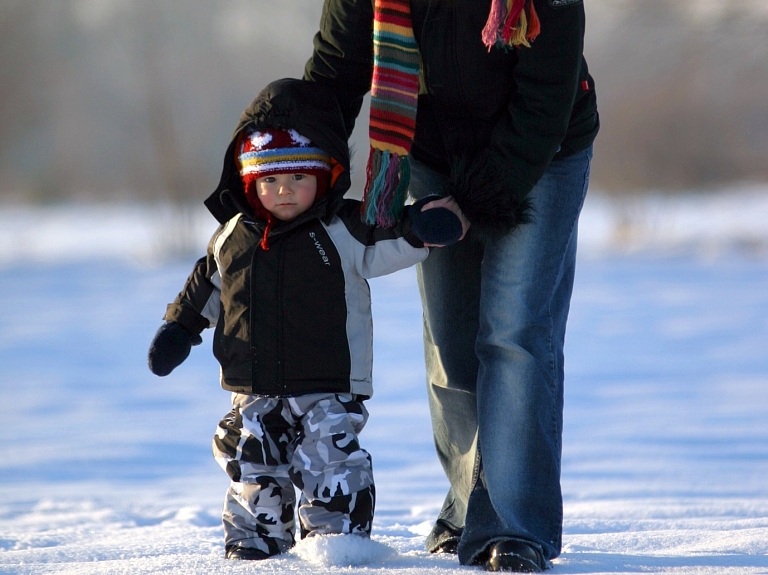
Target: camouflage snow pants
(267, 445)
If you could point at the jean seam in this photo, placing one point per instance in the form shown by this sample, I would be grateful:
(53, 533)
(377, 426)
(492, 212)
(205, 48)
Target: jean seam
(585, 185)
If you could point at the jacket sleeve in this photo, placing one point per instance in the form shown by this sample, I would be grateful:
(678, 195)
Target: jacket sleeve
(197, 305)
(342, 58)
(377, 251)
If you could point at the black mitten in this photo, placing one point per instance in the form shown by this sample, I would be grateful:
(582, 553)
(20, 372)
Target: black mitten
(170, 347)
(436, 226)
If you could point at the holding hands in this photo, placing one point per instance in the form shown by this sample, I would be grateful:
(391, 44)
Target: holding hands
(437, 221)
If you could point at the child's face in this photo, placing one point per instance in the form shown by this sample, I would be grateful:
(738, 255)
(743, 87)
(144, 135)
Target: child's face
(286, 196)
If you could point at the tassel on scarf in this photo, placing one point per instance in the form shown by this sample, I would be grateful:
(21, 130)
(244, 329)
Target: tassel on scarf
(388, 175)
(511, 24)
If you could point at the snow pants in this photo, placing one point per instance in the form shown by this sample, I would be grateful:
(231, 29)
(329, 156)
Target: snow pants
(268, 445)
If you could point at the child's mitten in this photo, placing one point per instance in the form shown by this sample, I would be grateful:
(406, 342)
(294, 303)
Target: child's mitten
(170, 347)
(436, 226)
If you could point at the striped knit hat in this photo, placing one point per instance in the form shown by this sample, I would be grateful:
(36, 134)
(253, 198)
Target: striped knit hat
(270, 152)
(280, 152)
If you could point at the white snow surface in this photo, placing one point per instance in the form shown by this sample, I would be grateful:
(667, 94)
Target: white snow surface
(105, 468)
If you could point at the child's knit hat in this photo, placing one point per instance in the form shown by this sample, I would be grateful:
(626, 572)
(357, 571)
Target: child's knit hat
(273, 151)
(281, 152)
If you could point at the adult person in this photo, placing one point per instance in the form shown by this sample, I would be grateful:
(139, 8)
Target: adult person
(506, 117)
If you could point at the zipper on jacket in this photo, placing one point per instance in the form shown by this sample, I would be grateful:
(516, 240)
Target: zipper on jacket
(454, 44)
(280, 247)
(280, 315)
(252, 321)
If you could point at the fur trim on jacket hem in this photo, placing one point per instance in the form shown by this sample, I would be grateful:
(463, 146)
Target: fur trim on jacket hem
(484, 191)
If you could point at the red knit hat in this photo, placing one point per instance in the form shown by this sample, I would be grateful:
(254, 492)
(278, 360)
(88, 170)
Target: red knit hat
(269, 152)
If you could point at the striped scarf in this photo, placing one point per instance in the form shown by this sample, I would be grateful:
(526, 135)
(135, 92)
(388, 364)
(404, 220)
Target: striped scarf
(394, 93)
(511, 23)
(395, 89)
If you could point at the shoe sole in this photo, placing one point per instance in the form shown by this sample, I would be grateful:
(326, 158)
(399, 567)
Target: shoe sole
(509, 562)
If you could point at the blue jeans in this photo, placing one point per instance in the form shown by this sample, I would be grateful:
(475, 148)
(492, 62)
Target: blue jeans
(494, 328)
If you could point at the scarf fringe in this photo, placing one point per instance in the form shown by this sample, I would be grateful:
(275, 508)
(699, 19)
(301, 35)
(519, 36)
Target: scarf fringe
(386, 189)
(511, 24)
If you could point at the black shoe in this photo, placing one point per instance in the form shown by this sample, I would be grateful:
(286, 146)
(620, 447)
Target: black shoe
(448, 546)
(245, 553)
(444, 538)
(514, 555)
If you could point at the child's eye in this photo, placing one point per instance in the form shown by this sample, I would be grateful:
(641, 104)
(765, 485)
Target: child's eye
(298, 177)
(269, 179)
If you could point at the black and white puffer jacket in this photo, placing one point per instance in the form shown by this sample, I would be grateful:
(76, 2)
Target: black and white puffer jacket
(295, 318)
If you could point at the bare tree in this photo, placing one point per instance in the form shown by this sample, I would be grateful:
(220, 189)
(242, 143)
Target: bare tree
(681, 98)
(27, 70)
(120, 100)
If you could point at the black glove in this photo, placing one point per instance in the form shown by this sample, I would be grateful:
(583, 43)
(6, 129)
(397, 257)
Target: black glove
(170, 347)
(438, 226)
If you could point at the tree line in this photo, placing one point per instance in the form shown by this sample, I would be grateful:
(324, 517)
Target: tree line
(137, 100)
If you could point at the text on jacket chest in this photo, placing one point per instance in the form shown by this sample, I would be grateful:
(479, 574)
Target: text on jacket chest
(320, 249)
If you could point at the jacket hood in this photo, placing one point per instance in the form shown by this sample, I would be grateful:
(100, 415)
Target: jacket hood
(306, 107)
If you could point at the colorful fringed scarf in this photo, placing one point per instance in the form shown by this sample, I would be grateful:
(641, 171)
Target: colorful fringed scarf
(394, 95)
(511, 23)
(395, 88)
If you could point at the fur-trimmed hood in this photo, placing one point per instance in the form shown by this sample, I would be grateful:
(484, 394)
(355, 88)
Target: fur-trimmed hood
(285, 104)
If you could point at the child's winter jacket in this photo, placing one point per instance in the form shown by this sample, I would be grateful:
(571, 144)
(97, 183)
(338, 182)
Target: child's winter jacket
(295, 318)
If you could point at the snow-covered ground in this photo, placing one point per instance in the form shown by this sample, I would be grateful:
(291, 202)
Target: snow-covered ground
(105, 468)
